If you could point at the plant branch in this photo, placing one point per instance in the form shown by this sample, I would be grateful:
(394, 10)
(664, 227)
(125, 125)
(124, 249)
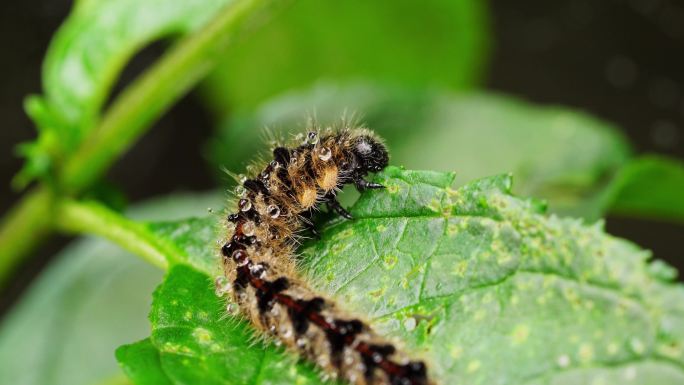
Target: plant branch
(23, 228)
(30, 222)
(150, 96)
(76, 217)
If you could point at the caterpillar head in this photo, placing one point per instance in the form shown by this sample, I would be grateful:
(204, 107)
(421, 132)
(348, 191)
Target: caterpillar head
(371, 153)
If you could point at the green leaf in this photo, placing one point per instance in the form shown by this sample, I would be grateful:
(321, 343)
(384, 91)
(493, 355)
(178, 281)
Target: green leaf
(483, 282)
(90, 299)
(483, 285)
(650, 186)
(93, 298)
(433, 42)
(198, 344)
(91, 48)
(141, 363)
(83, 61)
(558, 154)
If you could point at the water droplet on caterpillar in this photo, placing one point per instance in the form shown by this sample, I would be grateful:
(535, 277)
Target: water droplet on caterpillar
(311, 138)
(241, 178)
(232, 308)
(285, 332)
(324, 154)
(240, 257)
(258, 270)
(273, 211)
(245, 205)
(240, 190)
(242, 262)
(223, 285)
(248, 228)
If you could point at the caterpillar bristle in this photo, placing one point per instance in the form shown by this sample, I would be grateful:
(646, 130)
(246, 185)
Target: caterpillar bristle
(274, 205)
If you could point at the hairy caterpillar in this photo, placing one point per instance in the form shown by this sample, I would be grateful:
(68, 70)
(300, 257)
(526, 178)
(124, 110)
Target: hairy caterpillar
(258, 257)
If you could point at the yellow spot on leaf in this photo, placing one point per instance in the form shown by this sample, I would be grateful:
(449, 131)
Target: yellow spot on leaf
(474, 366)
(460, 269)
(377, 294)
(456, 352)
(203, 336)
(520, 334)
(389, 261)
(586, 352)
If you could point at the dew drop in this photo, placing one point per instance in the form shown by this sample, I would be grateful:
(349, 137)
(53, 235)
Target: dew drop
(222, 285)
(312, 138)
(324, 154)
(240, 190)
(410, 324)
(273, 211)
(240, 257)
(348, 359)
(258, 270)
(242, 178)
(232, 308)
(248, 228)
(210, 210)
(563, 361)
(245, 205)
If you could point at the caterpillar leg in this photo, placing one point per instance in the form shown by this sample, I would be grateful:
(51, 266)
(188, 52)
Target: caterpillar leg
(309, 225)
(363, 185)
(334, 205)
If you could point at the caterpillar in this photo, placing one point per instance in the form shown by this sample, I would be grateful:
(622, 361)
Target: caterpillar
(273, 207)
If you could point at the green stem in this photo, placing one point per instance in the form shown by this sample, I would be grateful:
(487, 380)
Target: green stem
(154, 93)
(128, 118)
(24, 228)
(92, 218)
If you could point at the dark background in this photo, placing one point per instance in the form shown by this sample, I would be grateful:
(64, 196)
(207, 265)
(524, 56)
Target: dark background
(619, 60)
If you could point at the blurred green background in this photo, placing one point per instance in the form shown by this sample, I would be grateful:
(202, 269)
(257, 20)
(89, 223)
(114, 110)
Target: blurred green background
(581, 100)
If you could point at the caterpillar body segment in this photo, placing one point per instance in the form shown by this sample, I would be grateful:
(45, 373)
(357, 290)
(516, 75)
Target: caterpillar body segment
(273, 207)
